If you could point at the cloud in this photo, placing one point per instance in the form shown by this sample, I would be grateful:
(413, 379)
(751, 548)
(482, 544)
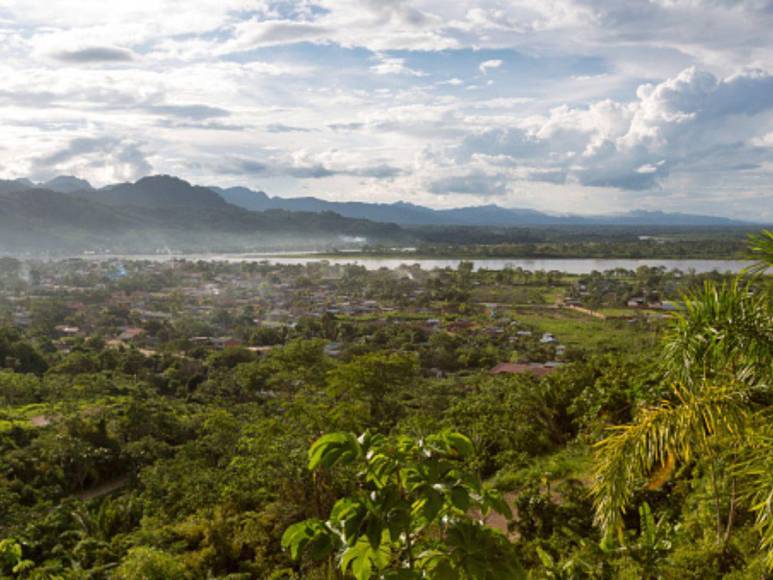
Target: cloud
(346, 126)
(303, 165)
(192, 111)
(95, 54)
(604, 102)
(395, 66)
(107, 158)
(672, 125)
(257, 33)
(380, 171)
(476, 183)
(282, 128)
(205, 125)
(488, 65)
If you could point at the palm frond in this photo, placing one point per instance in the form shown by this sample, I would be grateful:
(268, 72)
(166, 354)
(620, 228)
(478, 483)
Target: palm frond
(755, 472)
(671, 431)
(761, 249)
(726, 329)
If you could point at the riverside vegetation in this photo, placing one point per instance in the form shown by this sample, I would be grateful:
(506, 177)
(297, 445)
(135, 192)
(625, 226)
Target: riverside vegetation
(212, 420)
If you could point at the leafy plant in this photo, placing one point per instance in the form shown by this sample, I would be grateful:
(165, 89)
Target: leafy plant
(415, 513)
(11, 557)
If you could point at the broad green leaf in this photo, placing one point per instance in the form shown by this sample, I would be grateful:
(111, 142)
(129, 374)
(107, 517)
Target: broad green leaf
(460, 498)
(334, 447)
(363, 560)
(299, 535)
(348, 514)
(459, 444)
(495, 500)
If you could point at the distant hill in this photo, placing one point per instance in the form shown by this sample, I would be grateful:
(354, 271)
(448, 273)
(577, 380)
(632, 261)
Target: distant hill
(158, 213)
(67, 184)
(161, 191)
(157, 191)
(406, 214)
(10, 185)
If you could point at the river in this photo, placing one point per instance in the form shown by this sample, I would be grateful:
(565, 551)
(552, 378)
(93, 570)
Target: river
(568, 265)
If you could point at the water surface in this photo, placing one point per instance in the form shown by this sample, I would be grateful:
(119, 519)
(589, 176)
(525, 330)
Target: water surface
(568, 265)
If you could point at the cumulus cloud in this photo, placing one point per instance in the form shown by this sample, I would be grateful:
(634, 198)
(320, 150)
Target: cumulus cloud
(395, 66)
(602, 100)
(257, 33)
(635, 146)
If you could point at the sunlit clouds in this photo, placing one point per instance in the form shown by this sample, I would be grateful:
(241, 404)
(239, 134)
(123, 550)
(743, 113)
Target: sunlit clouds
(564, 106)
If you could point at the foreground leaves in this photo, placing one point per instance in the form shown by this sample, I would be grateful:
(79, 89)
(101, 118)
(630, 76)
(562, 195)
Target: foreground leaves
(410, 514)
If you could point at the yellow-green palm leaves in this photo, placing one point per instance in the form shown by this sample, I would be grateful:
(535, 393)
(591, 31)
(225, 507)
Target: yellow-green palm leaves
(725, 330)
(682, 429)
(718, 357)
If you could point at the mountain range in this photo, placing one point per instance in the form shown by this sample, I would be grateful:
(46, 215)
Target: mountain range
(408, 214)
(164, 211)
(166, 191)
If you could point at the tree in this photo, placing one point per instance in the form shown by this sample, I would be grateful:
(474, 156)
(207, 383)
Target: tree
(368, 387)
(719, 358)
(409, 516)
(761, 249)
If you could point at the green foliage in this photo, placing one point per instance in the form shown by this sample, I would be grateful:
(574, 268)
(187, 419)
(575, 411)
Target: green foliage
(144, 563)
(726, 329)
(379, 381)
(761, 248)
(720, 355)
(11, 559)
(409, 516)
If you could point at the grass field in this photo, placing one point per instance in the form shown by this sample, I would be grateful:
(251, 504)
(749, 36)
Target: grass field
(585, 332)
(24, 416)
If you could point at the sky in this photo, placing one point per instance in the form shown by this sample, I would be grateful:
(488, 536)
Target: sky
(581, 106)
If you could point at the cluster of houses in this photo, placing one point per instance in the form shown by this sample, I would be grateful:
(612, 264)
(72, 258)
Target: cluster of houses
(131, 303)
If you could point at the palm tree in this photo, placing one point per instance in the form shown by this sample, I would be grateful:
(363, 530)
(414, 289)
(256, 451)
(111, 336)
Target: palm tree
(718, 359)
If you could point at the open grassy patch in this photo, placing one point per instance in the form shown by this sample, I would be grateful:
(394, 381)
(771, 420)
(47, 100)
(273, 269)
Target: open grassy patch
(585, 332)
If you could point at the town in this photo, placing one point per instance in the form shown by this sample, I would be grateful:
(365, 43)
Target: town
(509, 321)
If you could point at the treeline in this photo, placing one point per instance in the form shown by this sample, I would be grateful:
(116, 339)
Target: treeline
(633, 242)
(635, 250)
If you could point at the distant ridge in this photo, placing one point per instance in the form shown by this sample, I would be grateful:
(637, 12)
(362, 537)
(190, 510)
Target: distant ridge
(67, 184)
(165, 212)
(165, 191)
(407, 214)
(160, 191)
